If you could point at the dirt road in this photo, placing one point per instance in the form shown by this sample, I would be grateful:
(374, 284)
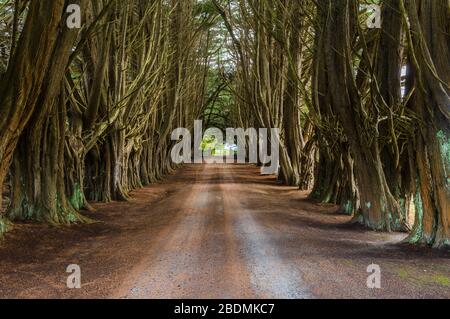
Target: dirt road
(215, 231)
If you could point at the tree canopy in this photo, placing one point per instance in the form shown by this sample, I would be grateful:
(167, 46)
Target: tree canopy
(86, 114)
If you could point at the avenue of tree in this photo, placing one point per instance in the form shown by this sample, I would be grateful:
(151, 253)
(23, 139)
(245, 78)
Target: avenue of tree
(86, 115)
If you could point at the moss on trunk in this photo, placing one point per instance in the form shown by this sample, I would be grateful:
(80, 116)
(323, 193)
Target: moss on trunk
(5, 225)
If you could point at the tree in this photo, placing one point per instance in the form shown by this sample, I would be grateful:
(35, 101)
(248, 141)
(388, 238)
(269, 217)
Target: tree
(429, 80)
(21, 83)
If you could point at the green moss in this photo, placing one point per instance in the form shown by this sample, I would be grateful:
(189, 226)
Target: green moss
(423, 278)
(443, 244)
(417, 234)
(66, 214)
(72, 218)
(348, 207)
(441, 280)
(5, 226)
(22, 211)
(396, 223)
(403, 273)
(347, 262)
(444, 144)
(77, 199)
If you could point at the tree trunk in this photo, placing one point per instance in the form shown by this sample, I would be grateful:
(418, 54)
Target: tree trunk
(38, 172)
(20, 85)
(379, 209)
(430, 73)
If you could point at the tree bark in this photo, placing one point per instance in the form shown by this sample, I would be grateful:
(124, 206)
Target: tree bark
(430, 74)
(20, 85)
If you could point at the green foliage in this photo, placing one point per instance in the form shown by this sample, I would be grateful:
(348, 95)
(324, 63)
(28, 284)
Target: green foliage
(204, 8)
(210, 143)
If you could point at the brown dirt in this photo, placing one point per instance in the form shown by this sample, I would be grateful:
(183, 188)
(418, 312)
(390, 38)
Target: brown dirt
(217, 232)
